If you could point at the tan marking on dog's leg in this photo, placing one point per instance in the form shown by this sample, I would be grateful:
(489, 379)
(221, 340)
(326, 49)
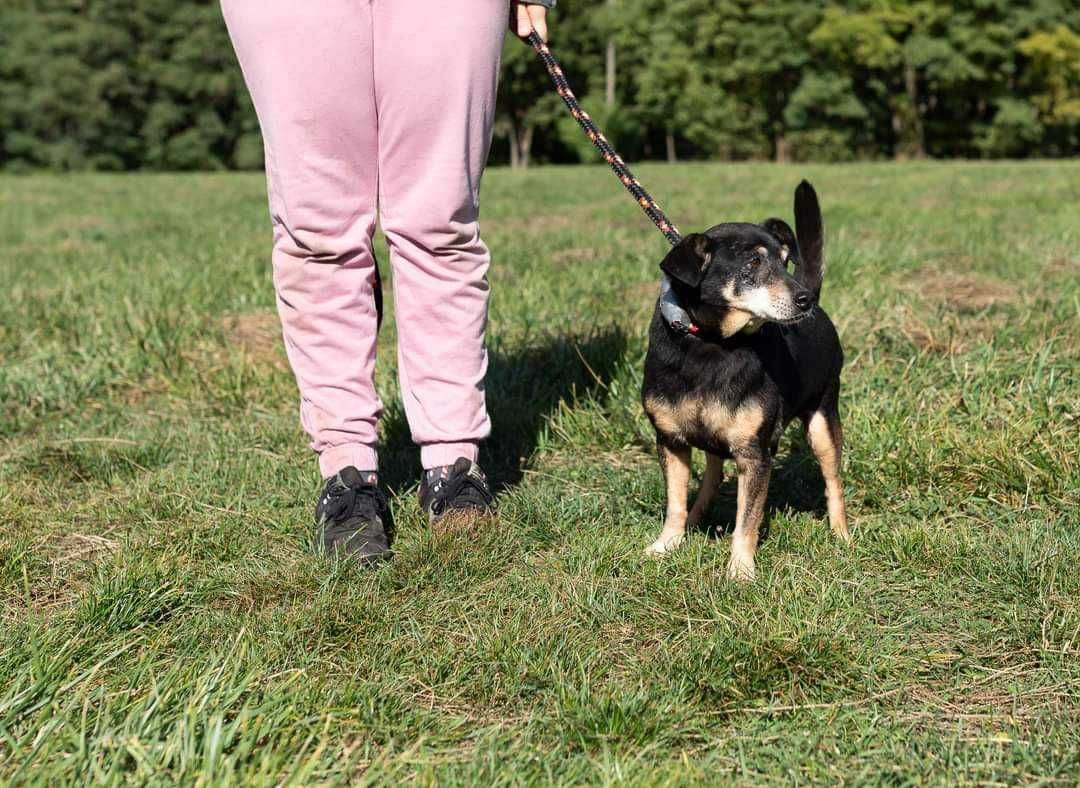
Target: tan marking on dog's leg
(754, 475)
(827, 445)
(710, 482)
(676, 466)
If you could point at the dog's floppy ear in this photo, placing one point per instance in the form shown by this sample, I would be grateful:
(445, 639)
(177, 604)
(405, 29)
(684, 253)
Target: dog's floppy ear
(686, 262)
(811, 233)
(782, 230)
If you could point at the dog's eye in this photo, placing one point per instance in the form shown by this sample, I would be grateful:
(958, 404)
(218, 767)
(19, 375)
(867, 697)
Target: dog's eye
(754, 262)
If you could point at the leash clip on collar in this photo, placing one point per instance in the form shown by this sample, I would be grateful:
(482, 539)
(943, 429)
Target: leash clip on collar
(670, 309)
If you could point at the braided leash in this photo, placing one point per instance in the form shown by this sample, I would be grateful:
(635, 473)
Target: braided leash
(673, 313)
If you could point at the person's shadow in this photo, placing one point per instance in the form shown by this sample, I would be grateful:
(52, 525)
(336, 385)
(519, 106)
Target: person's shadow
(524, 386)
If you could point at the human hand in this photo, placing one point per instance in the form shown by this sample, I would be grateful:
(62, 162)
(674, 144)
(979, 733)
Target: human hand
(526, 17)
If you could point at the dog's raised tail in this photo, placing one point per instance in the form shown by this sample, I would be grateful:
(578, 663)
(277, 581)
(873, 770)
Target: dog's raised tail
(811, 235)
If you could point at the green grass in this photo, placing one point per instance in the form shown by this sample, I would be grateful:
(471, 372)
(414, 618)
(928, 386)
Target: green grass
(162, 617)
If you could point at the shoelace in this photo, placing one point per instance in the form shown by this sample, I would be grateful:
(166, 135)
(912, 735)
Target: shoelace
(464, 490)
(344, 502)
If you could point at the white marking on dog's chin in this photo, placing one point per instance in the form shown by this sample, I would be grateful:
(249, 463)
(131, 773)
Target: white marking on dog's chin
(760, 303)
(757, 306)
(757, 302)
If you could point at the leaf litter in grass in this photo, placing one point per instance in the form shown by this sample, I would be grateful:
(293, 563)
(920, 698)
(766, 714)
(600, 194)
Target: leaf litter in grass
(963, 291)
(947, 335)
(257, 336)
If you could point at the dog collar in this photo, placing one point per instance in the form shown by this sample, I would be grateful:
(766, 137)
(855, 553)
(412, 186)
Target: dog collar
(673, 312)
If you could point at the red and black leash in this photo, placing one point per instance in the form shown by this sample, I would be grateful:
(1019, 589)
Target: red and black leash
(675, 315)
(632, 184)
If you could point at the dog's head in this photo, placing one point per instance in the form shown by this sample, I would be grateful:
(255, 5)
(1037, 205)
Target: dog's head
(734, 277)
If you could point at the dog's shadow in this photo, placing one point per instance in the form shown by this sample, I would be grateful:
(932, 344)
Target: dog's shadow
(796, 486)
(524, 386)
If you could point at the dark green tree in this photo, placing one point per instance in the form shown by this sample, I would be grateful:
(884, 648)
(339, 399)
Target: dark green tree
(153, 84)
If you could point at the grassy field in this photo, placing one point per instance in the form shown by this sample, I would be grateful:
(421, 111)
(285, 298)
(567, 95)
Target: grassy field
(162, 616)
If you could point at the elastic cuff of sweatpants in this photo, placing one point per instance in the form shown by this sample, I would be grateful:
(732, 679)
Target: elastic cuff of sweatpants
(358, 455)
(434, 455)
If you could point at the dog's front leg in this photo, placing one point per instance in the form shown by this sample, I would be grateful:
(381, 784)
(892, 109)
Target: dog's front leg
(676, 466)
(754, 467)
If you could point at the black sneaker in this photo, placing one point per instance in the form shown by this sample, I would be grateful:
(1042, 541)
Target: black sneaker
(352, 518)
(460, 489)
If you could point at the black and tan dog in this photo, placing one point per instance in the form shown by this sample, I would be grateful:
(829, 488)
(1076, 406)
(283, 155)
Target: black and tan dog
(765, 353)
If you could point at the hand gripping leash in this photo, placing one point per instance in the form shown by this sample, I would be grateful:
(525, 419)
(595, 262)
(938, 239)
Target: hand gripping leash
(673, 313)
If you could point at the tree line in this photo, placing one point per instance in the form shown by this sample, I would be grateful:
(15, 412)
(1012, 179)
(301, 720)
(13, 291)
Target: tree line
(153, 84)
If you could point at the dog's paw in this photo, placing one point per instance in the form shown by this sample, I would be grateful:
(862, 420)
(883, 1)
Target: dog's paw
(664, 545)
(741, 569)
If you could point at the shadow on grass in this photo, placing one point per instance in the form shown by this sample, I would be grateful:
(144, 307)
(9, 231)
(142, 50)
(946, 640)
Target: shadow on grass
(524, 385)
(796, 485)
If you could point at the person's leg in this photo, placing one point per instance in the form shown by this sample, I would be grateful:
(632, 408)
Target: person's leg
(309, 69)
(436, 70)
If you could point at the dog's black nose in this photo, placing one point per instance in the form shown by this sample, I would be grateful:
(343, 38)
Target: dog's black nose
(804, 299)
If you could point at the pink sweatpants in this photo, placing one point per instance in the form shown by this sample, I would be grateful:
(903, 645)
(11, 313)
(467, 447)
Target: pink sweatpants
(377, 106)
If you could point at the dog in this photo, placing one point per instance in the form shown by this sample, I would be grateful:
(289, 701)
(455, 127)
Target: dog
(764, 353)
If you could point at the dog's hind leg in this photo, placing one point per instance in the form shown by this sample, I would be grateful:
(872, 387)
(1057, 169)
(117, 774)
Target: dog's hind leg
(676, 466)
(710, 482)
(754, 471)
(826, 439)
